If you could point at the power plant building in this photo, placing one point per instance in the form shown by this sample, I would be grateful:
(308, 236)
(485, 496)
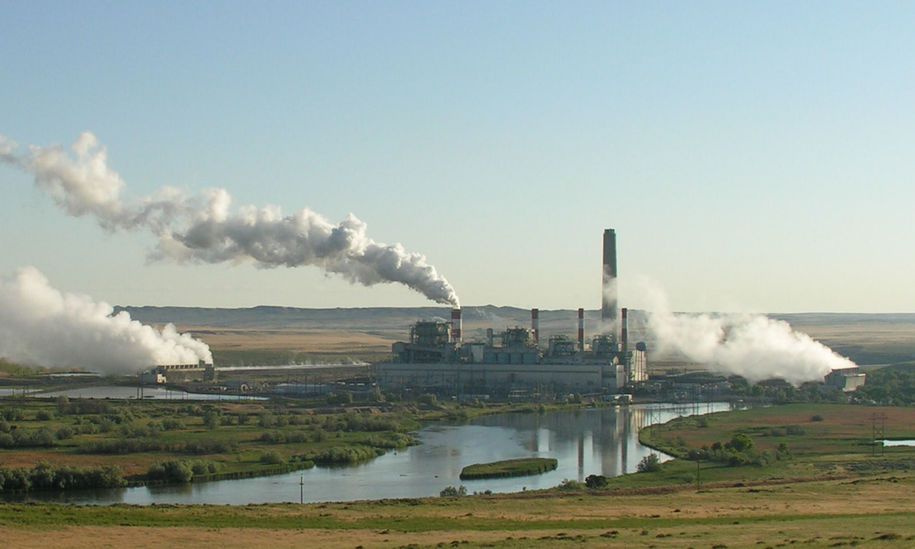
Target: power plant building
(437, 359)
(433, 361)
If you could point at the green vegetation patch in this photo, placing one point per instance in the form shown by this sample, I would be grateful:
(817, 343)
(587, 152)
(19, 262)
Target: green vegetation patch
(509, 468)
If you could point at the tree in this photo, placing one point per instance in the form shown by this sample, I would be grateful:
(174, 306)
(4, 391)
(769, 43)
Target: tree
(211, 419)
(741, 442)
(649, 464)
(596, 481)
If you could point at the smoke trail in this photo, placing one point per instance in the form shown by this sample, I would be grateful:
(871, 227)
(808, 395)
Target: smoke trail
(204, 228)
(751, 345)
(42, 326)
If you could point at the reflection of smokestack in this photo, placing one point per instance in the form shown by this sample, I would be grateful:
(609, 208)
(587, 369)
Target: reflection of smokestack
(535, 325)
(624, 328)
(581, 330)
(608, 299)
(456, 325)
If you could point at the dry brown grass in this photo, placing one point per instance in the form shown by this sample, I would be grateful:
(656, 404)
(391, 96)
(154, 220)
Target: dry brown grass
(303, 341)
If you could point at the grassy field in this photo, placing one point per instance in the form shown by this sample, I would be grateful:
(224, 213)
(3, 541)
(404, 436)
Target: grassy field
(509, 468)
(866, 511)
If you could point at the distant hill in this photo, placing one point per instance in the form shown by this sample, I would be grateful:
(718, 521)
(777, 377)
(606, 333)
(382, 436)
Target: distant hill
(865, 338)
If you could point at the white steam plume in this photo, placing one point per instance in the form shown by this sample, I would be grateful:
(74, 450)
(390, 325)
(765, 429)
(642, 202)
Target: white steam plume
(750, 345)
(204, 228)
(42, 326)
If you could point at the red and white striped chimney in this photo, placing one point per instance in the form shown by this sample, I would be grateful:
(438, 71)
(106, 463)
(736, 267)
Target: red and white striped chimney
(624, 328)
(535, 325)
(456, 325)
(581, 330)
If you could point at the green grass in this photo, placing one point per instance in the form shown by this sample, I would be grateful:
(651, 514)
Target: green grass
(509, 468)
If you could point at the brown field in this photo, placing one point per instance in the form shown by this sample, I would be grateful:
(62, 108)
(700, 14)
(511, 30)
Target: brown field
(303, 341)
(874, 511)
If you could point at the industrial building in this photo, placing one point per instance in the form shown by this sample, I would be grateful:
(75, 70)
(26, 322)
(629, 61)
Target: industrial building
(846, 379)
(437, 359)
(178, 373)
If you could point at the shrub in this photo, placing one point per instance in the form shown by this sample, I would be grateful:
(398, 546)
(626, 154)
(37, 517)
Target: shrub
(211, 419)
(64, 433)
(794, 430)
(452, 492)
(265, 420)
(171, 471)
(171, 424)
(816, 418)
(242, 419)
(570, 485)
(272, 458)
(596, 481)
(12, 414)
(649, 464)
(44, 415)
(740, 442)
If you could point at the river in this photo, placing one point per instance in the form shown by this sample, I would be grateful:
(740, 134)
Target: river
(589, 441)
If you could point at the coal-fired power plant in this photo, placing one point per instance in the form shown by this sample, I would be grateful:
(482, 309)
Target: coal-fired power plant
(437, 358)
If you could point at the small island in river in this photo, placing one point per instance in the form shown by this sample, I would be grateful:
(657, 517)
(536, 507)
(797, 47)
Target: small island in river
(509, 468)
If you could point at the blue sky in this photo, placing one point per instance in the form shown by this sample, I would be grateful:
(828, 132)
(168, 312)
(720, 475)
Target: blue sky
(752, 157)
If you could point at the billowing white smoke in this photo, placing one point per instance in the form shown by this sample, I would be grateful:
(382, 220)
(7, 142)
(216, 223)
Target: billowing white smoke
(204, 228)
(42, 326)
(751, 345)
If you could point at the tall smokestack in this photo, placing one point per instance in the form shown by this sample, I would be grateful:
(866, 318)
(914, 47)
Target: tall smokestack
(456, 325)
(535, 325)
(581, 330)
(608, 287)
(624, 328)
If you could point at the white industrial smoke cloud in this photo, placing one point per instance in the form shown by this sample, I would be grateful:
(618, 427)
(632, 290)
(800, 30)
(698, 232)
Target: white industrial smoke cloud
(42, 326)
(204, 228)
(751, 345)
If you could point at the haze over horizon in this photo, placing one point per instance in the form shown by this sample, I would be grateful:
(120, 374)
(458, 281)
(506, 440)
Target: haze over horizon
(750, 158)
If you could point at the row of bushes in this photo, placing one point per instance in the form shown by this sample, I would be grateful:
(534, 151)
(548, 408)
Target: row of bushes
(47, 477)
(26, 438)
(181, 472)
(344, 455)
(740, 450)
(132, 446)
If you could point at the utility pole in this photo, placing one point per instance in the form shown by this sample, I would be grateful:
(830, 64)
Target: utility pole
(302, 489)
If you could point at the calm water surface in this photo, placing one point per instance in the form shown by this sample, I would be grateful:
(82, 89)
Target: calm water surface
(595, 441)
